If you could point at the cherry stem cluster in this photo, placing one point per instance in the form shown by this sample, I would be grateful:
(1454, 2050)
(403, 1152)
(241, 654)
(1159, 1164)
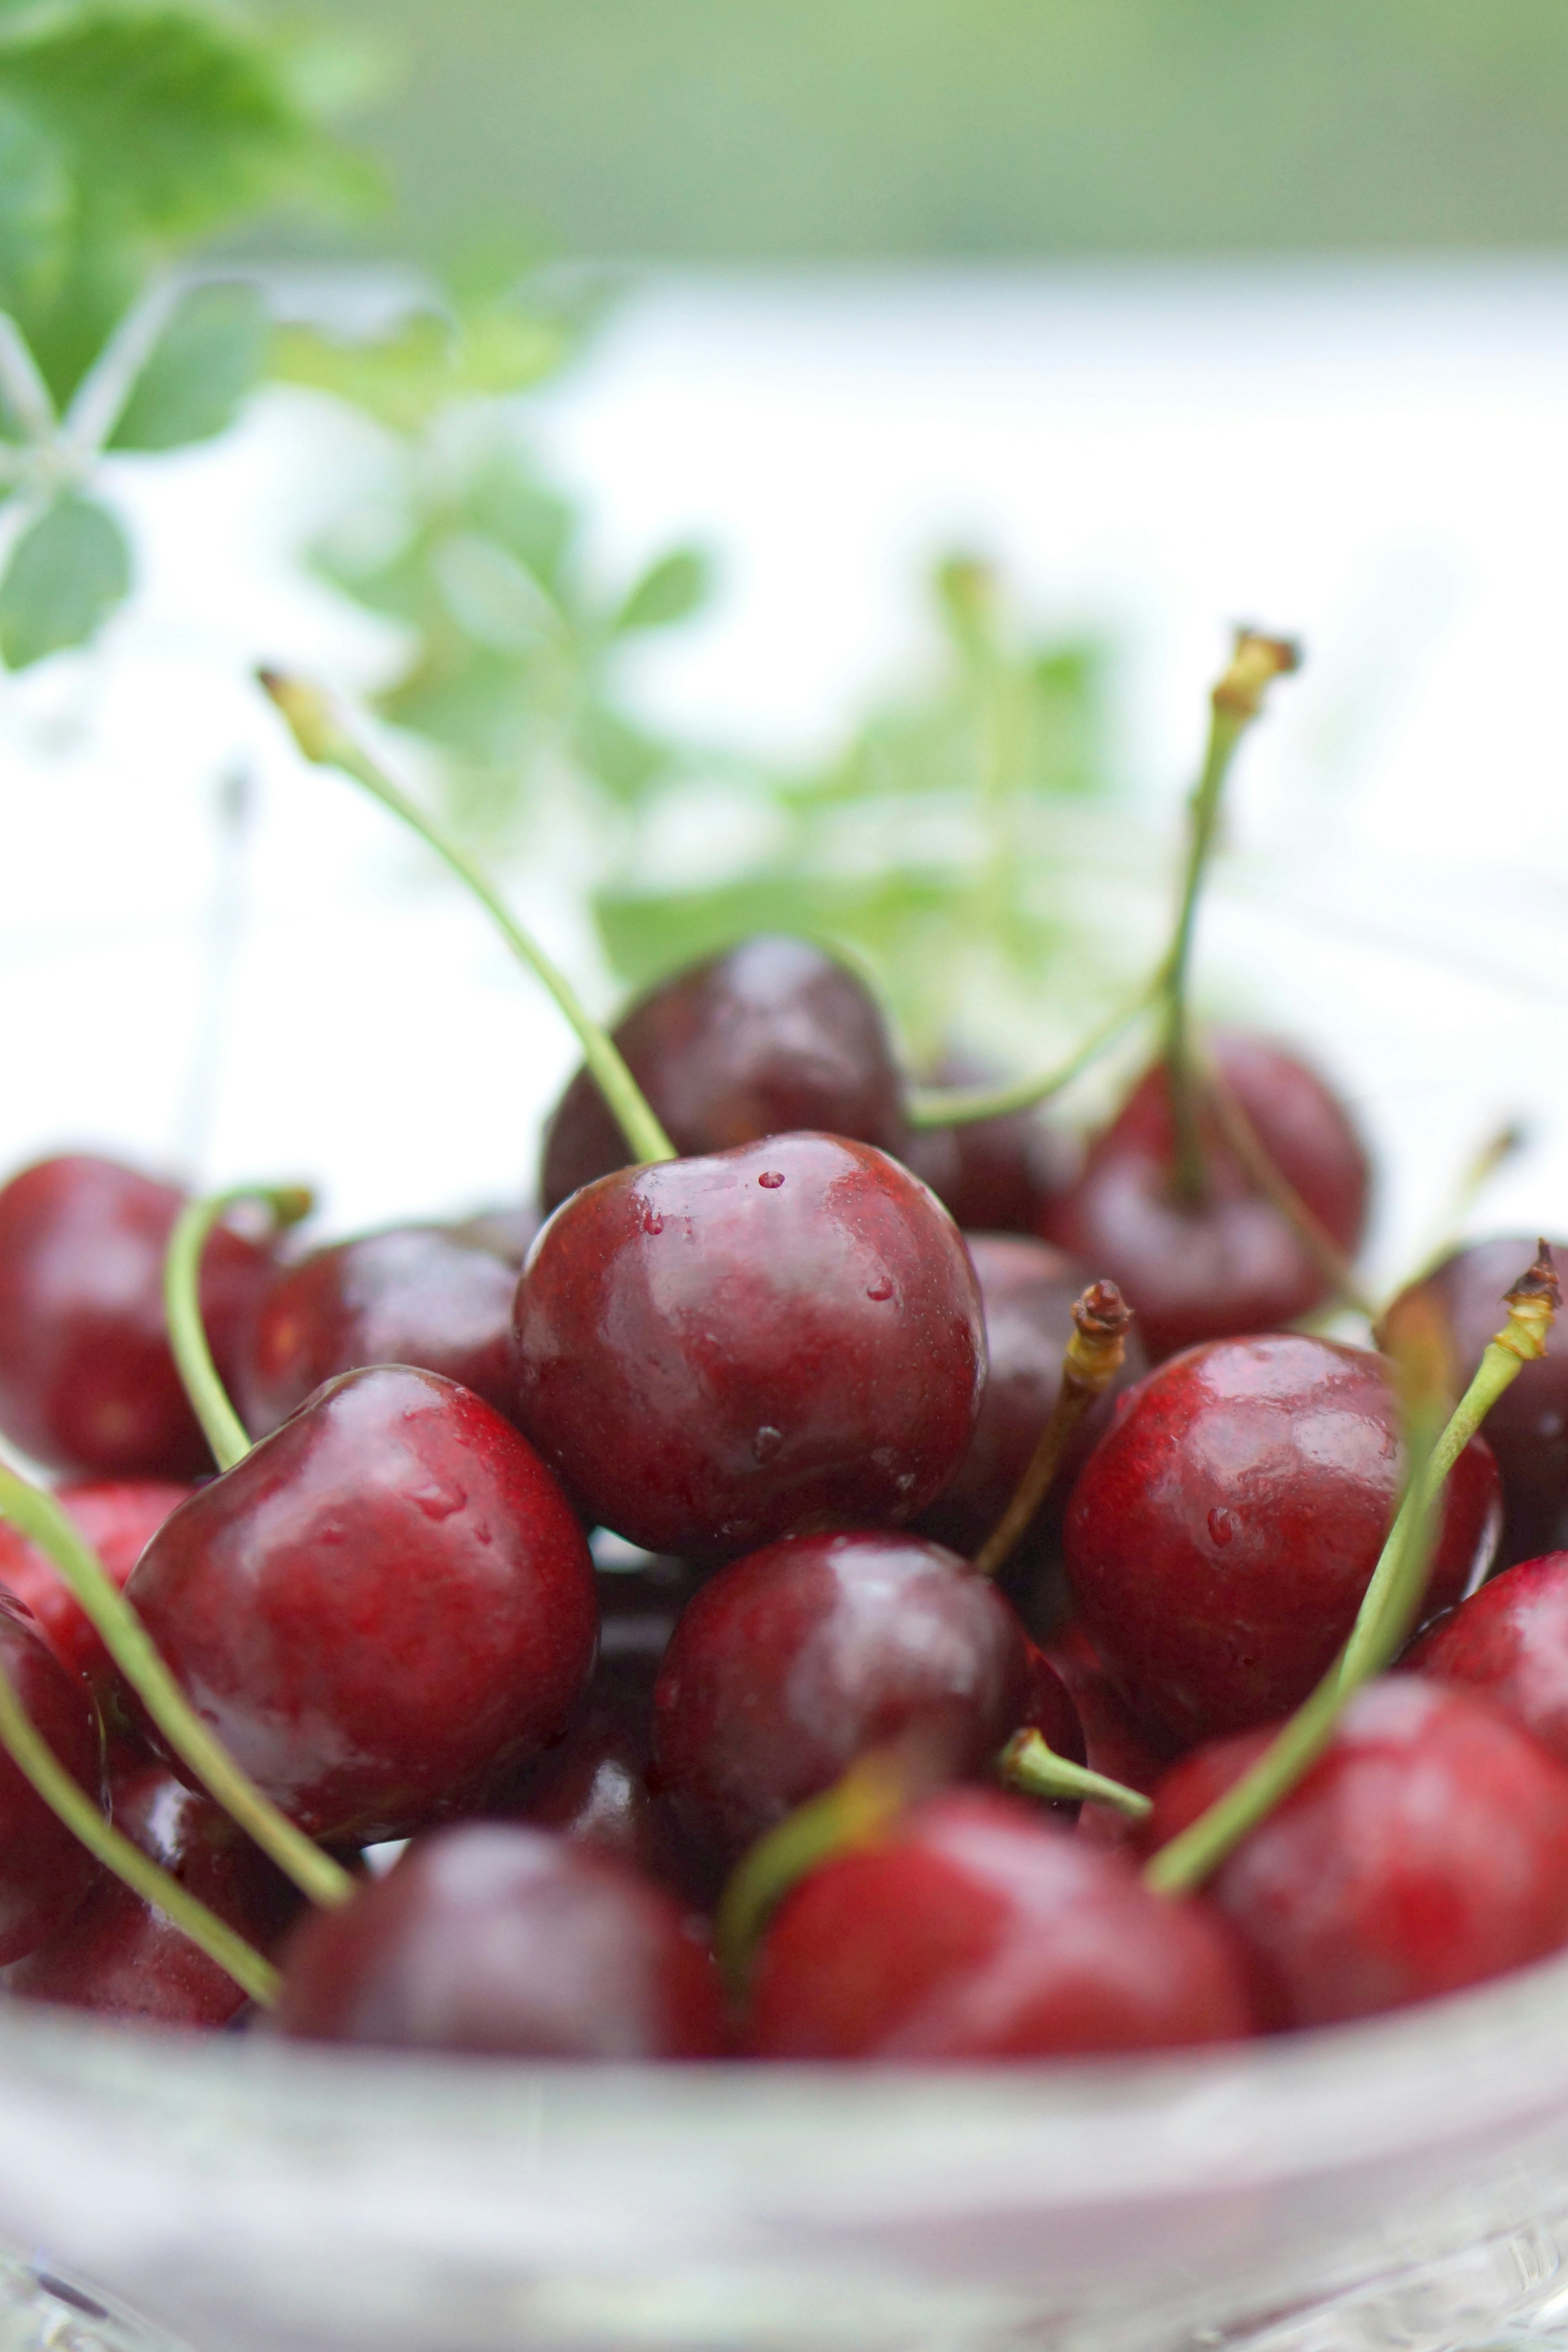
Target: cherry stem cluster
(1100, 1321)
(221, 1425)
(33, 1756)
(129, 1644)
(1028, 1762)
(1392, 1599)
(325, 741)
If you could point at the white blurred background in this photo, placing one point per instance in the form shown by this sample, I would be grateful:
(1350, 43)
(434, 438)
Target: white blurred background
(1368, 454)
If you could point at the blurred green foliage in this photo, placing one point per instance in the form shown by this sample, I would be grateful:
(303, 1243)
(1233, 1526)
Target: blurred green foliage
(749, 129)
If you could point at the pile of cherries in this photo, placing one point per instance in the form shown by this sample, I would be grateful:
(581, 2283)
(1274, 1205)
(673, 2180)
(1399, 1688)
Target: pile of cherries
(631, 1575)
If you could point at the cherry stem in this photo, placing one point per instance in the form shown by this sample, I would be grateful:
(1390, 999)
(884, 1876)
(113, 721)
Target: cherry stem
(1271, 1181)
(857, 1808)
(323, 739)
(1030, 1763)
(1101, 1319)
(963, 1106)
(1392, 1599)
(33, 1756)
(126, 1639)
(221, 1425)
(1235, 701)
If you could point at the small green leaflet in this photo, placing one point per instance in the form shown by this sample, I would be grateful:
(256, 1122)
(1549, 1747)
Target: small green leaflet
(209, 356)
(67, 573)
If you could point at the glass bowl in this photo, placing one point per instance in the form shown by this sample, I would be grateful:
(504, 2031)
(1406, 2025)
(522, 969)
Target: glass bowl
(1399, 2183)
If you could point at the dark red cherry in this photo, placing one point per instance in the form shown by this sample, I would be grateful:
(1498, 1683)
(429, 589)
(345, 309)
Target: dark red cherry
(119, 1518)
(385, 1605)
(770, 1035)
(87, 1381)
(1508, 1645)
(974, 1929)
(1426, 1850)
(416, 1295)
(490, 1938)
(1527, 1426)
(995, 1175)
(789, 1664)
(1113, 1744)
(1231, 1262)
(716, 1352)
(45, 1871)
(1223, 1531)
(119, 1957)
(1027, 1290)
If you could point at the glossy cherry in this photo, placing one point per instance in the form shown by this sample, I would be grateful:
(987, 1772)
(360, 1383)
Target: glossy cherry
(1527, 1426)
(45, 1871)
(1027, 1290)
(490, 1937)
(415, 1295)
(1230, 1261)
(770, 1035)
(715, 1352)
(1426, 1850)
(1113, 1744)
(385, 1605)
(790, 1663)
(119, 1518)
(974, 1929)
(1223, 1531)
(1508, 1645)
(87, 1381)
(117, 1956)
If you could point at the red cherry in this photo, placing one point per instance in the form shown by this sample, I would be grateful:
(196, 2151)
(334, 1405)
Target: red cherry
(995, 1175)
(1220, 1538)
(1232, 1262)
(119, 1957)
(1112, 1742)
(1508, 1645)
(792, 1662)
(119, 1518)
(490, 1938)
(45, 1871)
(716, 1352)
(976, 1930)
(1027, 1290)
(1426, 1850)
(87, 1381)
(386, 1604)
(770, 1035)
(416, 1295)
(1527, 1426)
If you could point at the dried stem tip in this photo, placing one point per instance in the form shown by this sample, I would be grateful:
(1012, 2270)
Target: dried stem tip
(1254, 662)
(1533, 1302)
(1101, 1320)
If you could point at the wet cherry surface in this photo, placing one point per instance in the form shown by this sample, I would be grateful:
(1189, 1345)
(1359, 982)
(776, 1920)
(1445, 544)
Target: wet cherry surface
(1426, 1850)
(715, 1352)
(493, 1937)
(770, 1035)
(1225, 1529)
(45, 1871)
(415, 1295)
(87, 1381)
(387, 1603)
(792, 1662)
(117, 1956)
(1527, 1426)
(976, 1930)
(1232, 1262)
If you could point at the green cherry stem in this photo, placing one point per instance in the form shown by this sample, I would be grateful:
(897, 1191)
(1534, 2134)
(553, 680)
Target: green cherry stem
(33, 1756)
(221, 1425)
(1029, 1763)
(1392, 1601)
(40, 1518)
(1235, 701)
(323, 739)
(1090, 1362)
(963, 1106)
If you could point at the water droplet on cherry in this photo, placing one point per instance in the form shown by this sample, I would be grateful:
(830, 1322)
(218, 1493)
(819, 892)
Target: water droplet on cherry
(880, 1289)
(766, 1442)
(770, 1179)
(652, 1222)
(1222, 1526)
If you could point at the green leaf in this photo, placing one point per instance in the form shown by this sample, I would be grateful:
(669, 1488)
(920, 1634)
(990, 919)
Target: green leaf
(404, 378)
(668, 591)
(37, 208)
(65, 575)
(207, 360)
